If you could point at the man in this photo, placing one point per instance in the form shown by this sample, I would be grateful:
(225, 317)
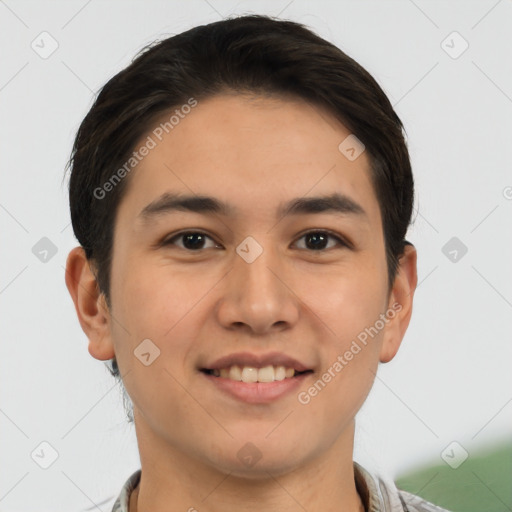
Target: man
(241, 194)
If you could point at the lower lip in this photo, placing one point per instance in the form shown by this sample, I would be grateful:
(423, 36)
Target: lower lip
(257, 392)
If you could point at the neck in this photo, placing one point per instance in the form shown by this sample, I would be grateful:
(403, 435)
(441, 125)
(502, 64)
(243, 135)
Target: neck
(172, 481)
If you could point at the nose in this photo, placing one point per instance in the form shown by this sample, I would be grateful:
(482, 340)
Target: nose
(258, 297)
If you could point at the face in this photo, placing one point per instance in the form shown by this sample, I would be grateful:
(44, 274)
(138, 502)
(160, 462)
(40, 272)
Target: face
(291, 273)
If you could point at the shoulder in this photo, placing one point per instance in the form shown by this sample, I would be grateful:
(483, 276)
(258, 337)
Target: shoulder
(412, 503)
(380, 494)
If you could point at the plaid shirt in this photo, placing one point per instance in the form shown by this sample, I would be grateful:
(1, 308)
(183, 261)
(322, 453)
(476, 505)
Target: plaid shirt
(377, 495)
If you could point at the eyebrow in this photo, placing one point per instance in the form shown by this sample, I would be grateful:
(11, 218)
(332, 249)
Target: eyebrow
(170, 202)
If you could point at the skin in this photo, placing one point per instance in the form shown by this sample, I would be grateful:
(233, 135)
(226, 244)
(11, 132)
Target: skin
(196, 306)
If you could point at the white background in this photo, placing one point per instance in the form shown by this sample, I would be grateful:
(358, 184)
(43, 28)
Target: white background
(451, 379)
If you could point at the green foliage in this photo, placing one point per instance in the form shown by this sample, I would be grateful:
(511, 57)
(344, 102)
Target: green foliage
(482, 483)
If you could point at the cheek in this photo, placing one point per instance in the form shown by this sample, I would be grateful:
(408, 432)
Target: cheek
(349, 361)
(351, 308)
(156, 304)
(143, 308)
(162, 304)
(152, 299)
(347, 301)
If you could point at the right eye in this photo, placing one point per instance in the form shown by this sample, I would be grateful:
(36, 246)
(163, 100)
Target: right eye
(191, 240)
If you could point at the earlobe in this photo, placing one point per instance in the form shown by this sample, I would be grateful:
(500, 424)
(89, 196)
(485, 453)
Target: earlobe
(90, 304)
(401, 299)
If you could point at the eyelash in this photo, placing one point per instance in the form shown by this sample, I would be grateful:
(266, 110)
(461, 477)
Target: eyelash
(340, 241)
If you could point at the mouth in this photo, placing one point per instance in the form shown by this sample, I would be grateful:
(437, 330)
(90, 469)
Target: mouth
(256, 378)
(251, 374)
(253, 385)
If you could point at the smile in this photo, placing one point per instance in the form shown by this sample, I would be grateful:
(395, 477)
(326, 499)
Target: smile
(251, 374)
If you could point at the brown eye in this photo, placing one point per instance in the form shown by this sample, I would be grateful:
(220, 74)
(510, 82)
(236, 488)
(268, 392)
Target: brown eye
(318, 240)
(191, 240)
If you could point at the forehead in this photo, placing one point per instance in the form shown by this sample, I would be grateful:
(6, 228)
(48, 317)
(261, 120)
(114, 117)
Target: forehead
(251, 152)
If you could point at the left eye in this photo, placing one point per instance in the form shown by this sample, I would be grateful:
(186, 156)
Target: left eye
(317, 240)
(194, 240)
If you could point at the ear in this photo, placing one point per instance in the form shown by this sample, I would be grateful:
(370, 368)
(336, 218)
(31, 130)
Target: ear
(400, 301)
(90, 304)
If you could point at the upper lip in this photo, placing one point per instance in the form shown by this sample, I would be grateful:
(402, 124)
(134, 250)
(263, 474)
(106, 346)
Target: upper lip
(257, 361)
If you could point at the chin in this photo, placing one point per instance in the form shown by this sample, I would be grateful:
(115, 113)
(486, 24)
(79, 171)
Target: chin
(256, 460)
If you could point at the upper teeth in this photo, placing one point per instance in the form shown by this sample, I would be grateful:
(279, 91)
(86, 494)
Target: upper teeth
(251, 374)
